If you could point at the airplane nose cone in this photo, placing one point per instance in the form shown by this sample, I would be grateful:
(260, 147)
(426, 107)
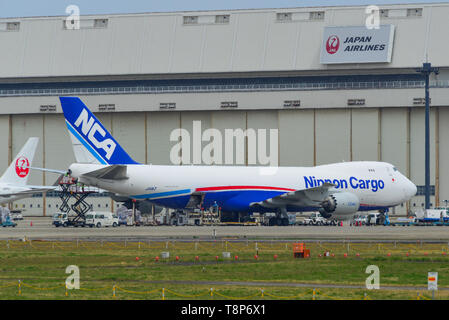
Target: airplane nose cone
(411, 189)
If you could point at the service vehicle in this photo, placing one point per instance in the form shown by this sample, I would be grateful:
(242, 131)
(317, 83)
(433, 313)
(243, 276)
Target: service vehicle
(60, 219)
(432, 215)
(359, 219)
(316, 219)
(7, 222)
(64, 220)
(16, 215)
(377, 218)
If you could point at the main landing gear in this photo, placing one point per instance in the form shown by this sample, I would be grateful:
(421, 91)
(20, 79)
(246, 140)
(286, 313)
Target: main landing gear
(281, 218)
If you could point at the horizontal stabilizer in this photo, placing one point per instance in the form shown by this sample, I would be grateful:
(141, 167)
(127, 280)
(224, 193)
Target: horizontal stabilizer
(30, 191)
(114, 172)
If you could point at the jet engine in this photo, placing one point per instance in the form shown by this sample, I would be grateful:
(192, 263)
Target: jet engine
(340, 206)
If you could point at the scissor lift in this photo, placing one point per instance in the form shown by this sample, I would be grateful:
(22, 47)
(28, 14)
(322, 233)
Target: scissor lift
(72, 191)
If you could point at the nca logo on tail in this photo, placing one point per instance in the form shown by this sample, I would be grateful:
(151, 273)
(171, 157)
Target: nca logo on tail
(89, 128)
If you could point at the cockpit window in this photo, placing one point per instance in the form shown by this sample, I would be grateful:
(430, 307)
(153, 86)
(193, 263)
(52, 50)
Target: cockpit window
(395, 169)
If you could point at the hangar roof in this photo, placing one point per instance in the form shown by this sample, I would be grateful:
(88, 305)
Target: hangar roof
(259, 41)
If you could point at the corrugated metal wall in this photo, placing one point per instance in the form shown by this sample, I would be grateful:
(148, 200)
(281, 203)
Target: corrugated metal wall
(252, 40)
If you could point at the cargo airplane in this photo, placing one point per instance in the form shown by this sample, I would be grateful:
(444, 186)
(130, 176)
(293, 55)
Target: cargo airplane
(13, 182)
(335, 190)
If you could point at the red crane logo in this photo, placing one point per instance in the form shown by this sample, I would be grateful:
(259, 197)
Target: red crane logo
(22, 167)
(332, 44)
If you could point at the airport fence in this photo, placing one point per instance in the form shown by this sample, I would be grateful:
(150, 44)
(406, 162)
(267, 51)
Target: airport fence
(242, 247)
(24, 289)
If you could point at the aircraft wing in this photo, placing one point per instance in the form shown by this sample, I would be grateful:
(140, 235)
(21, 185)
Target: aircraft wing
(31, 190)
(304, 197)
(113, 172)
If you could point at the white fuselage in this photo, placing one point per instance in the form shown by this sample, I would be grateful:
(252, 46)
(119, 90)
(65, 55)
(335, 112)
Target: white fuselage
(376, 184)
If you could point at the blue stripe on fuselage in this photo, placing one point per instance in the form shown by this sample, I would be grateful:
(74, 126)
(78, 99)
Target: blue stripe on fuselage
(371, 208)
(161, 194)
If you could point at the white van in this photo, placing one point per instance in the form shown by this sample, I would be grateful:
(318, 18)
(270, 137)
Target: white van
(101, 219)
(60, 219)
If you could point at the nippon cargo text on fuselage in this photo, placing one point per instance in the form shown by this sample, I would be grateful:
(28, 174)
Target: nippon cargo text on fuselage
(354, 183)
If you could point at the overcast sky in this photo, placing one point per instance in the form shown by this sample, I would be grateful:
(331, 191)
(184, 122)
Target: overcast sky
(29, 8)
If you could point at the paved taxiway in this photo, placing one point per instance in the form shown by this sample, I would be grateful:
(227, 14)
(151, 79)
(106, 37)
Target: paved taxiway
(42, 229)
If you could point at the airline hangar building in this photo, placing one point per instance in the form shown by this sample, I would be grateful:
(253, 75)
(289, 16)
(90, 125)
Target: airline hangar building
(335, 90)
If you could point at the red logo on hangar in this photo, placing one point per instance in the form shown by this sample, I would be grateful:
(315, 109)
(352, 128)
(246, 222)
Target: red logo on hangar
(332, 44)
(22, 167)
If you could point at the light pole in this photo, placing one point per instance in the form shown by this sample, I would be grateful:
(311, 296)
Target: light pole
(426, 70)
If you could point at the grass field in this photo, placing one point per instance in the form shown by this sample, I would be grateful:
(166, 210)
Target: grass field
(130, 270)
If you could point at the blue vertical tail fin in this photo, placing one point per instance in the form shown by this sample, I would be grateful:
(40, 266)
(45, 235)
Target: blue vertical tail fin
(91, 142)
